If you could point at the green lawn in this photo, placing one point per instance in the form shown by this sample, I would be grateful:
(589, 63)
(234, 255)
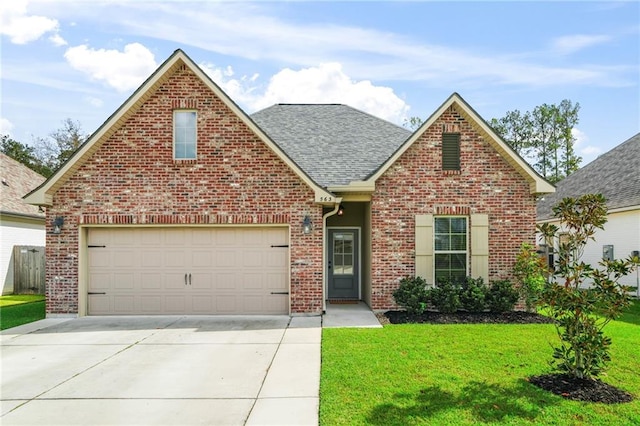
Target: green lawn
(21, 309)
(464, 375)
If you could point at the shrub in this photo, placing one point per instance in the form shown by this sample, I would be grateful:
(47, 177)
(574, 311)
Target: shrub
(528, 271)
(445, 297)
(412, 295)
(502, 297)
(473, 295)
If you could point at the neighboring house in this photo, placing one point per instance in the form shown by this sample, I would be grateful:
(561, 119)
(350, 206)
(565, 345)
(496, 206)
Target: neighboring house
(181, 203)
(21, 224)
(616, 175)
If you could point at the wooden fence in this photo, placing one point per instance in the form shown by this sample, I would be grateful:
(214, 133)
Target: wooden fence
(28, 270)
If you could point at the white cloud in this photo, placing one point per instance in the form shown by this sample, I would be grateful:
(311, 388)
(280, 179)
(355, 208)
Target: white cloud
(93, 101)
(326, 83)
(573, 43)
(123, 71)
(587, 152)
(22, 28)
(6, 126)
(57, 40)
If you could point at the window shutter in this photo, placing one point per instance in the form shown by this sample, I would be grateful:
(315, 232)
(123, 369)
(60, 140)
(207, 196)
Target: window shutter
(424, 247)
(451, 151)
(480, 246)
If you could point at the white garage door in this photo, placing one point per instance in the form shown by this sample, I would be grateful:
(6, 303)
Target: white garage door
(170, 271)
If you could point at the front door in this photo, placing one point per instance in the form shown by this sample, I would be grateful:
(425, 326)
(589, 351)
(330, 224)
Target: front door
(343, 264)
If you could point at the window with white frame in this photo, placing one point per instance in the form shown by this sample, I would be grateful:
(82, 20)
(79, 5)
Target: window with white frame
(184, 135)
(450, 248)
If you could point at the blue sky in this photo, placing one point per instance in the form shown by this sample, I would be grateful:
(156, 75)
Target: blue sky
(82, 59)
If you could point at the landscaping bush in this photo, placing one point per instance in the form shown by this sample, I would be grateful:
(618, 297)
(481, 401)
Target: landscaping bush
(473, 294)
(529, 272)
(445, 297)
(412, 294)
(502, 296)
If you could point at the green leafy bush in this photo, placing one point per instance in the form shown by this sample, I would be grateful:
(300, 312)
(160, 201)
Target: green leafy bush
(412, 294)
(445, 297)
(473, 293)
(502, 296)
(528, 271)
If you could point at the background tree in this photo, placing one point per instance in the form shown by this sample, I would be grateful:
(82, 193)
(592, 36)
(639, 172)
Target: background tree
(24, 154)
(55, 150)
(543, 137)
(412, 123)
(516, 129)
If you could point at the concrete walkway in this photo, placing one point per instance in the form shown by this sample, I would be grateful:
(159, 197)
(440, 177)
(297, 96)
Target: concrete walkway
(349, 315)
(162, 371)
(195, 370)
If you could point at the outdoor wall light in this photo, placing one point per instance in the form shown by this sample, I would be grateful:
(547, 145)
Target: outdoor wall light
(340, 210)
(57, 224)
(307, 226)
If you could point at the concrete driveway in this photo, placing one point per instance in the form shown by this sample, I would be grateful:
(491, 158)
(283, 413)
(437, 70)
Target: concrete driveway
(162, 371)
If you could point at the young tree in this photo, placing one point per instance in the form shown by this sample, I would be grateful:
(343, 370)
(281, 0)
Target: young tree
(581, 298)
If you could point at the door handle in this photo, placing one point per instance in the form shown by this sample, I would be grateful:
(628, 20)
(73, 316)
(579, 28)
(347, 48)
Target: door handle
(185, 279)
(189, 279)
(329, 264)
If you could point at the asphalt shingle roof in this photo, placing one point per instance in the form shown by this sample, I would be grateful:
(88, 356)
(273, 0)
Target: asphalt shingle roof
(16, 180)
(334, 144)
(615, 174)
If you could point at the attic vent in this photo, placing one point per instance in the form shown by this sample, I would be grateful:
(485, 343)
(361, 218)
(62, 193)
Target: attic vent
(451, 151)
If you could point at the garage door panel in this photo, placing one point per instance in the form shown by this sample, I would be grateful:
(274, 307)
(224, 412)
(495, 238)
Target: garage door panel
(275, 281)
(151, 304)
(176, 281)
(99, 304)
(175, 259)
(151, 258)
(123, 304)
(226, 258)
(226, 304)
(124, 281)
(100, 281)
(202, 281)
(203, 304)
(202, 259)
(151, 281)
(233, 271)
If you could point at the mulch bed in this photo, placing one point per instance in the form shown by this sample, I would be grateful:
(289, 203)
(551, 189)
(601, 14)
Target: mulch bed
(560, 384)
(429, 317)
(589, 390)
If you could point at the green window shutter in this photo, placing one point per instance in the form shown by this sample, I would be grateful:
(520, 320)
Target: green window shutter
(424, 247)
(451, 151)
(480, 246)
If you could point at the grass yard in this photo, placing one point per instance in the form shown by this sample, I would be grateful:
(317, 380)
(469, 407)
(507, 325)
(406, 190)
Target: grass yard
(464, 375)
(21, 309)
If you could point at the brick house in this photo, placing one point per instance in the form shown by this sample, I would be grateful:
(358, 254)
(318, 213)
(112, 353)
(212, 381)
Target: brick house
(181, 203)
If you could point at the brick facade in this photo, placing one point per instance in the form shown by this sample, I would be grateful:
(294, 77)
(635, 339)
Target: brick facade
(132, 179)
(416, 184)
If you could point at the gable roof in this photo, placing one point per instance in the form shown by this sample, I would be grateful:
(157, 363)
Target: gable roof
(537, 184)
(335, 144)
(43, 195)
(615, 174)
(16, 180)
